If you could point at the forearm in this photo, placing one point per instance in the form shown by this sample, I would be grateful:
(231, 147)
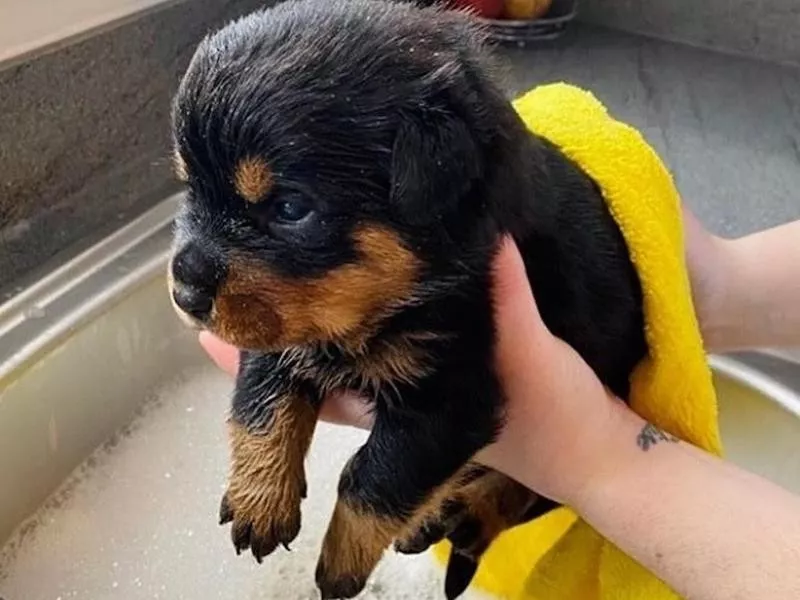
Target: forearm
(757, 301)
(708, 529)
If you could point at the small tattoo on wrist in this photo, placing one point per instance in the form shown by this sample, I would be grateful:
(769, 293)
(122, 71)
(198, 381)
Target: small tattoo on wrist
(650, 435)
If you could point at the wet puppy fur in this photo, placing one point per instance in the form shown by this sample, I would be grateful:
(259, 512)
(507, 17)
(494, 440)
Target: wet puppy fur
(351, 167)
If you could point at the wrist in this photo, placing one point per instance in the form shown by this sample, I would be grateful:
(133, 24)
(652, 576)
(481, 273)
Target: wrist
(746, 312)
(608, 461)
(718, 298)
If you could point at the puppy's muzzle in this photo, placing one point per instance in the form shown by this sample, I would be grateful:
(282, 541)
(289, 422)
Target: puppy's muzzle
(196, 276)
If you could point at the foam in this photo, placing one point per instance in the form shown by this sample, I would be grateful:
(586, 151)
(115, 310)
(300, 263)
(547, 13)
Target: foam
(138, 519)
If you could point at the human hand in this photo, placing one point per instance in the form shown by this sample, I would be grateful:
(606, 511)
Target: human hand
(559, 416)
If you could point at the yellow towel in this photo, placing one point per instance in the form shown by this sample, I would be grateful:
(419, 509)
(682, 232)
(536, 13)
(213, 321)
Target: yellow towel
(560, 557)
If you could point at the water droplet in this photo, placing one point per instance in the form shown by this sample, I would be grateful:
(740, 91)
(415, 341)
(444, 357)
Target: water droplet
(115, 585)
(167, 475)
(190, 409)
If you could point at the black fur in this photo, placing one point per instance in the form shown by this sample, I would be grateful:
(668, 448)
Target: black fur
(385, 113)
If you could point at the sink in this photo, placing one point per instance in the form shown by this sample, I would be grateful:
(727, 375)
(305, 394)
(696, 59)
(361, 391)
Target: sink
(759, 421)
(113, 450)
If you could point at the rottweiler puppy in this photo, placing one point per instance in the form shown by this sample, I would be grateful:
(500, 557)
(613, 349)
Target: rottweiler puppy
(351, 167)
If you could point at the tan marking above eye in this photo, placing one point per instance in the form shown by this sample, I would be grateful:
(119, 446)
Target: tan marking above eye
(179, 167)
(253, 179)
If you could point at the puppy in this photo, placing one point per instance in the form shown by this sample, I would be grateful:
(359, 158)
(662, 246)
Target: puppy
(351, 166)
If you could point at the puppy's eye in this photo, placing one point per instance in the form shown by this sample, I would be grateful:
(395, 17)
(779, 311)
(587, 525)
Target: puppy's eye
(291, 210)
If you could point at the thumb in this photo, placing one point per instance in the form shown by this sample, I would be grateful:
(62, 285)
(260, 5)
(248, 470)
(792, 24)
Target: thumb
(521, 333)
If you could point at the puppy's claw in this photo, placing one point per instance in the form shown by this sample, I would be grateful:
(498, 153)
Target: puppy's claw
(262, 546)
(225, 511)
(240, 536)
(460, 571)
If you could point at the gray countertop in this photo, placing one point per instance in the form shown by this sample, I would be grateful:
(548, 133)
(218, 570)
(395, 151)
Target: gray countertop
(727, 127)
(85, 138)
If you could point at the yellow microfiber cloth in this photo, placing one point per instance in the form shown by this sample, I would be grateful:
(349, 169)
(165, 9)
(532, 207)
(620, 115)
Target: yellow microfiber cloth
(559, 556)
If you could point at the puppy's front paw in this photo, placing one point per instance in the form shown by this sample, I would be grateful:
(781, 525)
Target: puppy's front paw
(338, 587)
(264, 494)
(353, 546)
(260, 521)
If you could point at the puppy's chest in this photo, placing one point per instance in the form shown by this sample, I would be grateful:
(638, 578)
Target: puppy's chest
(374, 368)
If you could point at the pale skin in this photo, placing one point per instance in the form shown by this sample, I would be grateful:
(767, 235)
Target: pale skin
(712, 531)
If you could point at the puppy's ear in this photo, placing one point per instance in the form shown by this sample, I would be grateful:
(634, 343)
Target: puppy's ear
(435, 161)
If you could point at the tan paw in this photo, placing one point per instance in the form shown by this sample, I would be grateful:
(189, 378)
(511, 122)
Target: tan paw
(353, 546)
(266, 487)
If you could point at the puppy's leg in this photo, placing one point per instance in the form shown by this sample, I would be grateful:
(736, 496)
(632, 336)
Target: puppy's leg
(406, 465)
(271, 427)
(434, 521)
(492, 504)
(481, 505)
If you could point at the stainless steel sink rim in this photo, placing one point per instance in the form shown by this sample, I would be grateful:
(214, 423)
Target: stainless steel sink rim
(743, 373)
(40, 316)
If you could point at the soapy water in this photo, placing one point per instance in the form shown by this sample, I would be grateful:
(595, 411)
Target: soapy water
(138, 520)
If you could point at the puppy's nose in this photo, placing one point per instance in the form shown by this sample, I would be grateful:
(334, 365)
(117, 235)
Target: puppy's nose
(195, 268)
(197, 275)
(193, 302)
